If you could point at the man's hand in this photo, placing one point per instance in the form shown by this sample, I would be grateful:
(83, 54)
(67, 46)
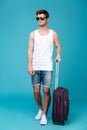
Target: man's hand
(58, 59)
(31, 70)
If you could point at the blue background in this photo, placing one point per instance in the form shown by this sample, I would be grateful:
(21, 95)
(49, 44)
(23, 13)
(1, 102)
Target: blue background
(17, 20)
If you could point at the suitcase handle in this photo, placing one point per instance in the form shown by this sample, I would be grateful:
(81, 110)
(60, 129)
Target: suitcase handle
(57, 75)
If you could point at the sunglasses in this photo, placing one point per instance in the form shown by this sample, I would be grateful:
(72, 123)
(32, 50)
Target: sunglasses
(40, 18)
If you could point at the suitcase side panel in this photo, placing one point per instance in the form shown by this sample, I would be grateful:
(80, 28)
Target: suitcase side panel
(57, 112)
(60, 109)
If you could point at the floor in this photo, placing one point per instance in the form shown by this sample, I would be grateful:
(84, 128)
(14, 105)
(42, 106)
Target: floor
(17, 113)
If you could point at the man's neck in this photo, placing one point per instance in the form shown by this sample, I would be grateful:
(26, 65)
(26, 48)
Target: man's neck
(43, 31)
(43, 28)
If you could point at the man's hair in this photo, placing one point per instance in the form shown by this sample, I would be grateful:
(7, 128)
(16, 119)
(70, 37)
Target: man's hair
(42, 11)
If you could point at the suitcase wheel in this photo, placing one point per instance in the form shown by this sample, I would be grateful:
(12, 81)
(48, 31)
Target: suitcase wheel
(66, 119)
(59, 123)
(63, 123)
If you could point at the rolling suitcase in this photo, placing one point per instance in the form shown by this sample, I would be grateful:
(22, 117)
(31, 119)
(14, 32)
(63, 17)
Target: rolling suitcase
(60, 109)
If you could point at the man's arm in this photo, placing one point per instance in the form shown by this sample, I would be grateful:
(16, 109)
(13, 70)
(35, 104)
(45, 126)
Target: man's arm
(57, 44)
(30, 53)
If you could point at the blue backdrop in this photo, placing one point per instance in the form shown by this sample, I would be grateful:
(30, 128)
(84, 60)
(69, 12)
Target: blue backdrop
(17, 20)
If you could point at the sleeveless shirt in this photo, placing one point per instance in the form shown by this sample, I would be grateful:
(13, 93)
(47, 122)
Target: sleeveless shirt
(42, 53)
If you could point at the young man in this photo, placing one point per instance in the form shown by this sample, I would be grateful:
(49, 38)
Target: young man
(40, 64)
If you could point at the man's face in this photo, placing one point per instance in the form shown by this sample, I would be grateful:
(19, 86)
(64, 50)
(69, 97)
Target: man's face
(42, 20)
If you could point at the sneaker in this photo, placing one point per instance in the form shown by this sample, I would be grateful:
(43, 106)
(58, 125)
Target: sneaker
(43, 120)
(39, 115)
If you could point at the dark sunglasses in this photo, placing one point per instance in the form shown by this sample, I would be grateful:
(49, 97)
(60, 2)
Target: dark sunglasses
(40, 18)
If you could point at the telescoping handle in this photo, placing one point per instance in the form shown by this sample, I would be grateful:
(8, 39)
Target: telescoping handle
(57, 75)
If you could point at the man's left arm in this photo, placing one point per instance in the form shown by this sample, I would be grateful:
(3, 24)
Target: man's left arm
(58, 48)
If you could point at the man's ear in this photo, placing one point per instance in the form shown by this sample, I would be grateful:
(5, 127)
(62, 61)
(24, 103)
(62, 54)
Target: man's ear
(47, 19)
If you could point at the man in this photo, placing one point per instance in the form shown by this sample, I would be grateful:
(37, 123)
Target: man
(40, 64)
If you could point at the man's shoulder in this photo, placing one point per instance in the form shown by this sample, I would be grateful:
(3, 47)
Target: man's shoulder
(54, 32)
(32, 33)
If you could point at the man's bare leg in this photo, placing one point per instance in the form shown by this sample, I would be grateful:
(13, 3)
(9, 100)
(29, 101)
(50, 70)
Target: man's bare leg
(47, 98)
(46, 105)
(38, 99)
(38, 96)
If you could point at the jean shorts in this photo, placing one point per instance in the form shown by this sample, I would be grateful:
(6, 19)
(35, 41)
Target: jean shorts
(43, 78)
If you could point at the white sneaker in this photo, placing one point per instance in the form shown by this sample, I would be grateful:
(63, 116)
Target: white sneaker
(39, 114)
(43, 120)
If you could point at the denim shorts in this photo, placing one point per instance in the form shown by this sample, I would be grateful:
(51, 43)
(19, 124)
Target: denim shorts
(43, 78)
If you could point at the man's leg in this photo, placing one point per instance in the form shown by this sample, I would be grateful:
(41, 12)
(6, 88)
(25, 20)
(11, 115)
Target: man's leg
(46, 105)
(36, 88)
(47, 98)
(38, 99)
(38, 96)
(46, 82)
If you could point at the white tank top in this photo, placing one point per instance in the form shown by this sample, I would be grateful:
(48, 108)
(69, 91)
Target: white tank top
(42, 54)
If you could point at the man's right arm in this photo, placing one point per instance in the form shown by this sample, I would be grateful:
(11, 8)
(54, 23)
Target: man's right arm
(30, 53)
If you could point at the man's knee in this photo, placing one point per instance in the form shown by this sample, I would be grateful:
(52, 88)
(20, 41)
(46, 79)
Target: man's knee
(46, 91)
(36, 89)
